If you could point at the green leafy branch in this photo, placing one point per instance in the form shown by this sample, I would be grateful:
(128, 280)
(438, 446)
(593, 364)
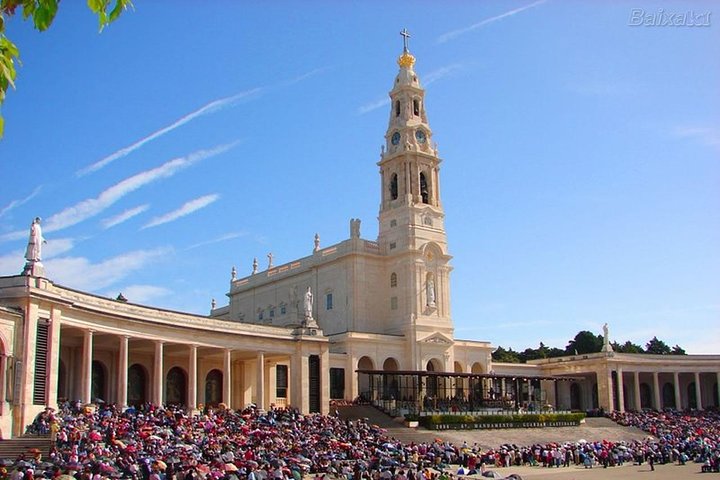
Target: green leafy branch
(42, 13)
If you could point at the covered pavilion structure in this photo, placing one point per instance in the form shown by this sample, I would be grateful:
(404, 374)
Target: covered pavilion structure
(423, 392)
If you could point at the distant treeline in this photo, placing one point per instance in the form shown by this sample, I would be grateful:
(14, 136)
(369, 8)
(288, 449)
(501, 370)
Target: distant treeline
(584, 342)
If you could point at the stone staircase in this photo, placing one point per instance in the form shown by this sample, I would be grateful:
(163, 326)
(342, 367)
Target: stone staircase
(395, 427)
(11, 449)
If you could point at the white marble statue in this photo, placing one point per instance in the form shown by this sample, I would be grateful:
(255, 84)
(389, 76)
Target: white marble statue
(255, 266)
(317, 243)
(35, 242)
(308, 303)
(431, 292)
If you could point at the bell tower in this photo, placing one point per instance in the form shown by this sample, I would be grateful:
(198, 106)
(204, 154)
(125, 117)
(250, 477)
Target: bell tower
(412, 230)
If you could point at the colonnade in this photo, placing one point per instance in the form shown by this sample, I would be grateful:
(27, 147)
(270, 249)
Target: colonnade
(702, 382)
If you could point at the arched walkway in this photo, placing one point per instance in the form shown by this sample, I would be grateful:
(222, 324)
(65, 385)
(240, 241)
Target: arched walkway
(213, 387)
(176, 387)
(668, 396)
(62, 381)
(365, 363)
(97, 388)
(575, 396)
(137, 385)
(645, 396)
(692, 397)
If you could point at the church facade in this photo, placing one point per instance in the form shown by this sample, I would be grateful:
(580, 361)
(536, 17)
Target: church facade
(315, 329)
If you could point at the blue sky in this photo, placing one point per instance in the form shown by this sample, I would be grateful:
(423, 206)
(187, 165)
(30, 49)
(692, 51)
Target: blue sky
(581, 155)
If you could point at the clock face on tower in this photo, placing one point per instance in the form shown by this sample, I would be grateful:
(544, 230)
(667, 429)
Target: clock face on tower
(420, 136)
(395, 138)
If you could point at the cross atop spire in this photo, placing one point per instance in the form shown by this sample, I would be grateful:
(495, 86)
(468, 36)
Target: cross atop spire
(405, 34)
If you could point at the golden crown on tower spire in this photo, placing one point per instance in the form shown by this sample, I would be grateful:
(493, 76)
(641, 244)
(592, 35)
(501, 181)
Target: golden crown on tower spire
(406, 60)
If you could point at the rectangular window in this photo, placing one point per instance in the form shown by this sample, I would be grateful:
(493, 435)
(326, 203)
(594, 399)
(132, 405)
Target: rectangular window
(392, 245)
(272, 313)
(393, 223)
(328, 301)
(337, 383)
(281, 381)
(393, 303)
(283, 310)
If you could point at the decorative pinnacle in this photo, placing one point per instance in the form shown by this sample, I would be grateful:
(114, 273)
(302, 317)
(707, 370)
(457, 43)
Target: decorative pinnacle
(406, 60)
(405, 34)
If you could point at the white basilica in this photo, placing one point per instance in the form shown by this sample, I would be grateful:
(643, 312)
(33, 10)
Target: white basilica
(363, 319)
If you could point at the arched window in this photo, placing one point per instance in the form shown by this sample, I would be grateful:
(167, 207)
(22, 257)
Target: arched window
(424, 192)
(393, 280)
(416, 107)
(397, 108)
(393, 187)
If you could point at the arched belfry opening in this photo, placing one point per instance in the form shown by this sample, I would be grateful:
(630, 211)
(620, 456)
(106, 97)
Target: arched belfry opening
(397, 108)
(424, 188)
(416, 107)
(393, 186)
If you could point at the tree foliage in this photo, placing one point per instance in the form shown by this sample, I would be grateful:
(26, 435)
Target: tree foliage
(42, 13)
(657, 347)
(583, 343)
(627, 347)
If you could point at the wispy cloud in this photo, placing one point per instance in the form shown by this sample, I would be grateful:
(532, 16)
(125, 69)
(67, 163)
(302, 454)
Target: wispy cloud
(80, 273)
(207, 109)
(93, 206)
(12, 262)
(140, 293)
(440, 73)
(212, 107)
(302, 77)
(369, 107)
(186, 209)
(222, 238)
(58, 246)
(709, 136)
(445, 37)
(17, 203)
(124, 216)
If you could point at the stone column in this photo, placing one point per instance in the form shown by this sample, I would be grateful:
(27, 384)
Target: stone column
(656, 391)
(676, 381)
(3, 382)
(636, 384)
(53, 357)
(122, 378)
(227, 378)
(158, 374)
(260, 380)
(87, 366)
(698, 397)
(621, 390)
(299, 396)
(192, 378)
(351, 378)
(325, 380)
(605, 389)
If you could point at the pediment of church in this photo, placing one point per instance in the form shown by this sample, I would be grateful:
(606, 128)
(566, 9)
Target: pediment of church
(437, 338)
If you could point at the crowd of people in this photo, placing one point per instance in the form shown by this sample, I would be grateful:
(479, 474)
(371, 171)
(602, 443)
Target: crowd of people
(167, 443)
